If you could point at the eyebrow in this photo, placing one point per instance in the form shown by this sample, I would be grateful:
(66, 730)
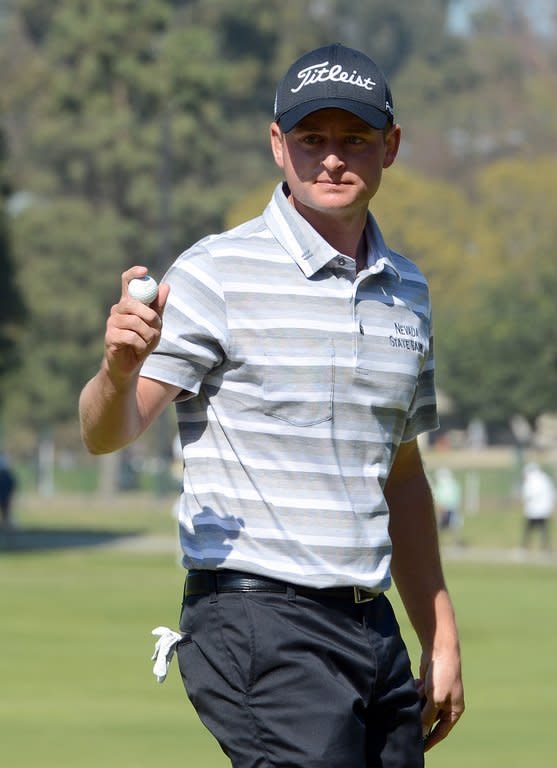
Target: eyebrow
(355, 127)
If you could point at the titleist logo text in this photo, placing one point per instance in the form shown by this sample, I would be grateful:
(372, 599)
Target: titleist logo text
(320, 73)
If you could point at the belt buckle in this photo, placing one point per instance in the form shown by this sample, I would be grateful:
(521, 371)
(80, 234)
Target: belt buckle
(363, 595)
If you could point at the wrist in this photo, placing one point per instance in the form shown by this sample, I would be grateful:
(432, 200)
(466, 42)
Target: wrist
(117, 382)
(440, 634)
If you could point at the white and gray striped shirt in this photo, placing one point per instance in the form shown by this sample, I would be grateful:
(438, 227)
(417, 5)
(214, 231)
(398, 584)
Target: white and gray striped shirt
(305, 379)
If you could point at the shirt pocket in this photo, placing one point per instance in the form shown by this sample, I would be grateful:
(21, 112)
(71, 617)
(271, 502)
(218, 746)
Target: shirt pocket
(391, 348)
(298, 379)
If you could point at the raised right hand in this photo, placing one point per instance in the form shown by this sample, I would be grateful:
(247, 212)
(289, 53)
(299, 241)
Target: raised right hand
(133, 330)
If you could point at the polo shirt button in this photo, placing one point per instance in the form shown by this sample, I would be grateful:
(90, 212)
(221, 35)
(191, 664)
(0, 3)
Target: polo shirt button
(342, 262)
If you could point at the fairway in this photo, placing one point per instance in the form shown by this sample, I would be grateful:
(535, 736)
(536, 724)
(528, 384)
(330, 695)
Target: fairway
(77, 683)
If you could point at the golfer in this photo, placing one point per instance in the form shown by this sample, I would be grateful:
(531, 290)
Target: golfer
(297, 349)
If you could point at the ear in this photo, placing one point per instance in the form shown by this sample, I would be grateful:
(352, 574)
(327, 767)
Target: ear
(392, 143)
(277, 144)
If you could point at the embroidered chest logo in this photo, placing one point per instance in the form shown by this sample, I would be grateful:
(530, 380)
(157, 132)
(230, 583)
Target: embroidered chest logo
(406, 337)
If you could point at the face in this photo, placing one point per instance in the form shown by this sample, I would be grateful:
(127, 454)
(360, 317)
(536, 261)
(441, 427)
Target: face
(333, 161)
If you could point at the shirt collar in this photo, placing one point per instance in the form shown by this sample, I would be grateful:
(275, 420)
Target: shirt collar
(379, 255)
(310, 251)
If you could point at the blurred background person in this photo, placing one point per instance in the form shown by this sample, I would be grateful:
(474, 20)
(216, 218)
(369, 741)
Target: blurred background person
(7, 488)
(538, 500)
(448, 497)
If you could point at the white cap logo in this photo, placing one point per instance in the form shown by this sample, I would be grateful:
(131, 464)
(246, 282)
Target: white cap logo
(321, 73)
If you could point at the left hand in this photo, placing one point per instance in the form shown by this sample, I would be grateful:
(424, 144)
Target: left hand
(441, 685)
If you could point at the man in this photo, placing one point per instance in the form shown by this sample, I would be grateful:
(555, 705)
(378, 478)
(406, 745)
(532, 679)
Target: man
(448, 496)
(297, 348)
(8, 485)
(538, 499)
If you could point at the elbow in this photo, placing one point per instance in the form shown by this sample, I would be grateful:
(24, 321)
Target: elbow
(93, 448)
(96, 445)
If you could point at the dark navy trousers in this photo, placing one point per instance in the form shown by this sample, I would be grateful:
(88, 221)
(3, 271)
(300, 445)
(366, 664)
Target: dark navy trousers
(287, 681)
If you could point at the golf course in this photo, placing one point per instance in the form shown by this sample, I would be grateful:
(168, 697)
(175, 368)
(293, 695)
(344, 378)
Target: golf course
(85, 581)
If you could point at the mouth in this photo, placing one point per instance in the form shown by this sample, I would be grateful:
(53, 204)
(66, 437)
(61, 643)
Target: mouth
(333, 182)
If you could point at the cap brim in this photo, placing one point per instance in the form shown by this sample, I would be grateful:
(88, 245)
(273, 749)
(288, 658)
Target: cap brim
(374, 117)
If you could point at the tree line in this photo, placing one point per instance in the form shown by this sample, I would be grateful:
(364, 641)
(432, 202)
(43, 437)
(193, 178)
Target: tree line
(131, 129)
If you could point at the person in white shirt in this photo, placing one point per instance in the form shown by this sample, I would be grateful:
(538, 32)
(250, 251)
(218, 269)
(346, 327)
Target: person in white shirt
(538, 499)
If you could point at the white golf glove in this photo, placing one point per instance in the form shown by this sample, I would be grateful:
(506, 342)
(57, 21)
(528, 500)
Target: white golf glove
(164, 651)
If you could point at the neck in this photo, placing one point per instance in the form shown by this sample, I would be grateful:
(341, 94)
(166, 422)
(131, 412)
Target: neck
(343, 232)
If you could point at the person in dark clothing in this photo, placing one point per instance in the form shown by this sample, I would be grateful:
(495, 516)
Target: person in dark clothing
(7, 488)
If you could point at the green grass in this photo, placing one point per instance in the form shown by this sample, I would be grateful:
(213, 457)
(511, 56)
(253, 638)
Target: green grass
(77, 686)
(507, 622)
(76, 676)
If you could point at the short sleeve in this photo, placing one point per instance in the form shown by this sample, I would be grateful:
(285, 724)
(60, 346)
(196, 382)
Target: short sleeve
(194, 334)
(422, 414)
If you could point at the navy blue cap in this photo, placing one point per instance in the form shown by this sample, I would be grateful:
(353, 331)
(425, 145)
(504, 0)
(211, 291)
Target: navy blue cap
(334, 76)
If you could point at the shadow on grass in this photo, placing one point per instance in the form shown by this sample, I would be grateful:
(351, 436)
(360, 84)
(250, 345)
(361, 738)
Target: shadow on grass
(37, 539)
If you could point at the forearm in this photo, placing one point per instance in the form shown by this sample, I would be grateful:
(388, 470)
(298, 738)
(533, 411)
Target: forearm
(417, 571)
(117, 404)
(109, 413)
(416, 566)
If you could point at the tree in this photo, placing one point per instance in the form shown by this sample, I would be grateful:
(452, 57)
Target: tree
(505, 361)
(63, 288)
(488, 96)
(391, 33)
(133, 125)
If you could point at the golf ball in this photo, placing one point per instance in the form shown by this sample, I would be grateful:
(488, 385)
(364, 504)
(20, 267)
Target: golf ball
(143, 288)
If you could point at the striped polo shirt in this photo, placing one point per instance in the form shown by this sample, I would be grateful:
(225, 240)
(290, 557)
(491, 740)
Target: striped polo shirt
(304, 378)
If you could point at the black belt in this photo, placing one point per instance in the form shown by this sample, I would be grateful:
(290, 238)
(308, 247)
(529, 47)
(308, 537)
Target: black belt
(213, 582)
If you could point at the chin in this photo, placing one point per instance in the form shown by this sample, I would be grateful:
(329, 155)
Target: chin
(336, 199)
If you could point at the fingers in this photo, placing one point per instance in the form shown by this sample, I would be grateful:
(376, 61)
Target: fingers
(445, 723)
(140, 331)
(130, 274)
(139, 271)
(443, 702)
(438, 719)
(133, 329)
(162, 296)
(429, 715)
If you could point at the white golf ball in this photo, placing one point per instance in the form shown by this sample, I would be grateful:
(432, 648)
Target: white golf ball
(143, 288)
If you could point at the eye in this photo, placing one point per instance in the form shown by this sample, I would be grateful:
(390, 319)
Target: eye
(354, 140)
(311, 138)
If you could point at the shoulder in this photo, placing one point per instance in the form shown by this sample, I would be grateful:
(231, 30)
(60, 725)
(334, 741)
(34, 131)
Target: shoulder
(214, 245)
(216, 257)
(407, 269)
(412, 287)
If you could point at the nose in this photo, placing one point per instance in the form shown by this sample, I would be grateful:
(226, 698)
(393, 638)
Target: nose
(333, 162)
